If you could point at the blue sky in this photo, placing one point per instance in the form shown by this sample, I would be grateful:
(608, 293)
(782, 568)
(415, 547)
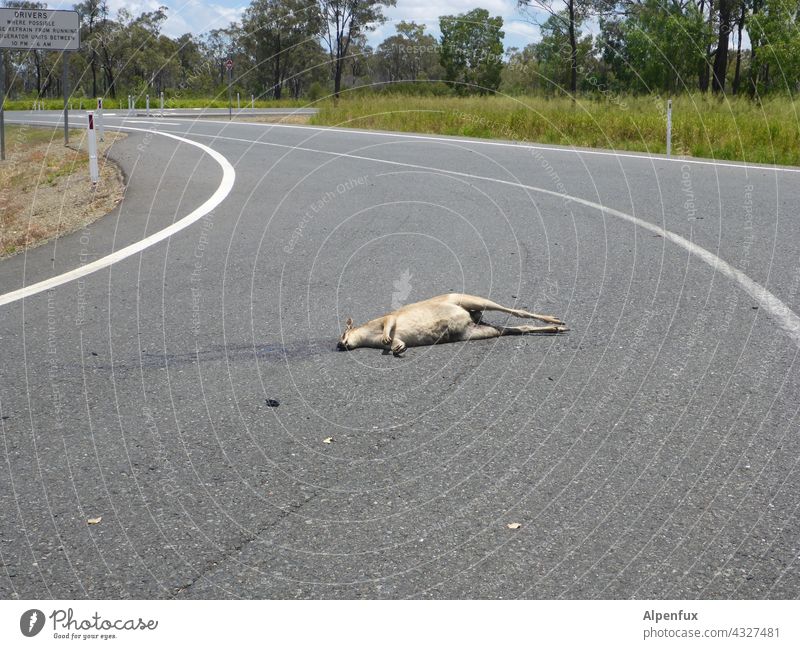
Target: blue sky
(198, 17)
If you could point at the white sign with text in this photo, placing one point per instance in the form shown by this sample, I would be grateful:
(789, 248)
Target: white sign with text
(39, 29)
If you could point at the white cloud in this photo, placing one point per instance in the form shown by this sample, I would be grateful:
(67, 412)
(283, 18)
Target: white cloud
(519, 28)
(427, 12)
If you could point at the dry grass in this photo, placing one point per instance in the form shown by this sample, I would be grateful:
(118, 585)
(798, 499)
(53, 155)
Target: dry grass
(45, 187)
(274, 119)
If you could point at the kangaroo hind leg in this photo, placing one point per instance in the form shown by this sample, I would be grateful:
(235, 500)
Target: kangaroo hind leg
(474, 303)
(529, 329)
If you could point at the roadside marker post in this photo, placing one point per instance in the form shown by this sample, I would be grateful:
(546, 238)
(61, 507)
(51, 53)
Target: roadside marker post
(94, 173)
(229, 66)
(252, 102)
(99, 119)
(129, 104)
(147, 105)
(162, 103)
(669, 127)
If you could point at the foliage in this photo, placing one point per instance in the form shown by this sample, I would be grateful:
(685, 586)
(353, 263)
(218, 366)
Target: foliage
(472, 51)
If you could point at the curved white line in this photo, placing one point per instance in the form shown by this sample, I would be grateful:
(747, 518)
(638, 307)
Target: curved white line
(747, 166)
(225, 186)
(784, 317)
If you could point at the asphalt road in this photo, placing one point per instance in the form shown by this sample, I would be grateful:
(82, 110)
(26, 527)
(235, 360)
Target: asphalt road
(184, 393)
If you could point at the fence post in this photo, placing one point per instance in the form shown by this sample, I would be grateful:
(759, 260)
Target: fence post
(94, 174)
(669, 127)
(99, 119)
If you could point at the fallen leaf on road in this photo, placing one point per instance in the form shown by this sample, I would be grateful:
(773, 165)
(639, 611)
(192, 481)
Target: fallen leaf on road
(514, 526)
(94, 521)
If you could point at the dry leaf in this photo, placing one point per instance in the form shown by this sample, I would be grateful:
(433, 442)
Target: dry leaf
(514, 526)
(327, 440)
(94, 521)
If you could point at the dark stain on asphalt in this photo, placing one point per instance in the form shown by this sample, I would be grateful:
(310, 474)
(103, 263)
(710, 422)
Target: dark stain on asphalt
(270, 352)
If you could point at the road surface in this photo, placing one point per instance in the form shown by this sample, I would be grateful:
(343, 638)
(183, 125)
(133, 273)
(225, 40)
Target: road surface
(185, 392)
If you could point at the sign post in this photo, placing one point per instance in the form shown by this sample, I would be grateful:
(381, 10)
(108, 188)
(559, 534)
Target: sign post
(2, 107)
(229, 66)
(40, 29)
(65, 87)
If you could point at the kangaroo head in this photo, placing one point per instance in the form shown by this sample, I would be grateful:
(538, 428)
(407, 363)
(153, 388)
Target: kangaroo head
(345, 341)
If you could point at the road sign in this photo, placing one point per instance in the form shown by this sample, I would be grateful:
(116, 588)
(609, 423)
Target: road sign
(39, 29)
(228, 64)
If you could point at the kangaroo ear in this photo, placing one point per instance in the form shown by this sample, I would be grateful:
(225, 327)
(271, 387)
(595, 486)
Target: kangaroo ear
(349, 323)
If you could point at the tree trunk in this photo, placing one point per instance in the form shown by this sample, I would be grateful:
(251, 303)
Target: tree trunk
(721, 57)
(573, 52)
(276, 70)
(38, 74)
(337, 78)
(737, 75)
(752, 86)
(94, 75)
(704, 72)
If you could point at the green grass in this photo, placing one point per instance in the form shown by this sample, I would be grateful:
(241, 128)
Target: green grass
(20, 135)
(703, 126)
(121, 103)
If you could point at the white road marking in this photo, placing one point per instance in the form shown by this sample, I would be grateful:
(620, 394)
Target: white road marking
(529, 147)
(225, 186)
(782, 314)
(150, 121)
(785, 318)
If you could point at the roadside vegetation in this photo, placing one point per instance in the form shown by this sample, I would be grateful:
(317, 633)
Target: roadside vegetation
(45, 189)
(703, 126)
(598, 73)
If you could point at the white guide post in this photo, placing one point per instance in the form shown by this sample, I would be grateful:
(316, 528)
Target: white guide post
(94, 173)
(99, 119)
(669, 127)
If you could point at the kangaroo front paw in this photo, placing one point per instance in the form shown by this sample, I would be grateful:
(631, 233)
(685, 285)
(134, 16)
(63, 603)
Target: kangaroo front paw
(398, 348)
(551, 319)
(386, 340)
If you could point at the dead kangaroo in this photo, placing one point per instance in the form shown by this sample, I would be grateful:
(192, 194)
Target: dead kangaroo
(441, 319)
